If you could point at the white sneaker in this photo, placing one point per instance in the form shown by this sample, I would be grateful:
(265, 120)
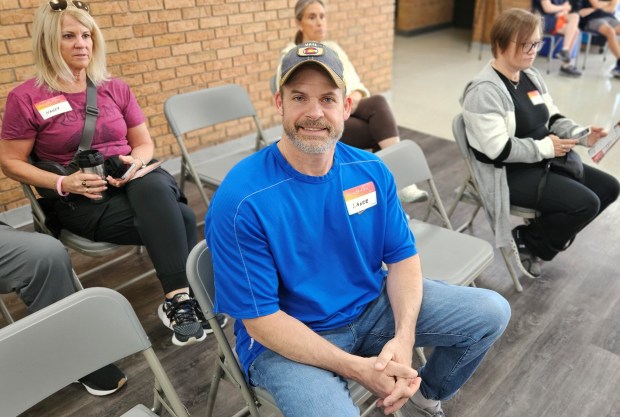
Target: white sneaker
(428, 412)
(412, 194)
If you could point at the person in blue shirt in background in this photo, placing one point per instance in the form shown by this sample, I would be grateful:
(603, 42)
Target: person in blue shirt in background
(560, 17)
(299, 232)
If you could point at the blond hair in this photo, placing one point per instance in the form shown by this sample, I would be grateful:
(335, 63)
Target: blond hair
(51, 68)
(300, 8)
(513, 25)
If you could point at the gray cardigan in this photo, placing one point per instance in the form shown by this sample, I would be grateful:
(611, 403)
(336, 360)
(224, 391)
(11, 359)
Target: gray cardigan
(488, 111)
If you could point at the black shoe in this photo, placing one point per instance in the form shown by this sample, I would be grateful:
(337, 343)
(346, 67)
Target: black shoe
(527, 262)
(570, 70)
(616, 71)
(221, 319)
(104, 381)
(179, 314)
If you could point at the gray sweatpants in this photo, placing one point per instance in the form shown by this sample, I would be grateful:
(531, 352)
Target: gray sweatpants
(35, 266)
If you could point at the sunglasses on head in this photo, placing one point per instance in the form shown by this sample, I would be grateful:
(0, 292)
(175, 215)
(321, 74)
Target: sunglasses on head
(60, 5)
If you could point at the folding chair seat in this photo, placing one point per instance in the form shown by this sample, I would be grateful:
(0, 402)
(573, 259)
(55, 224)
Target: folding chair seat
(468, 193)
(37, 359)
(78, 243)
(445, 254)
(201, 280)
(196, 110)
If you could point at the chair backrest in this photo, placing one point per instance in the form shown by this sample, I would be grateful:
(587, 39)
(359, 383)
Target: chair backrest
(408, 165)
(202, 281)
(203, 108)
(460, 135)
(47, 350)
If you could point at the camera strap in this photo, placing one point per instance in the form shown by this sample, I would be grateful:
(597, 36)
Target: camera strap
(92, 112)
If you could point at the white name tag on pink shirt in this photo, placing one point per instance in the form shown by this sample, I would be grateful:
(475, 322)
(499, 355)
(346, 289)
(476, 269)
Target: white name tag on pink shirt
(360, 198)
(53, 106)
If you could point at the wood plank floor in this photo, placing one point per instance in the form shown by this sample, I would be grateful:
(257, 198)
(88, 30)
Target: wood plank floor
(560, 355)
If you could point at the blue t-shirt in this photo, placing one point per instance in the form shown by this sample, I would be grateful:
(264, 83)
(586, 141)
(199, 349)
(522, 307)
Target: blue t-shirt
(282, 240)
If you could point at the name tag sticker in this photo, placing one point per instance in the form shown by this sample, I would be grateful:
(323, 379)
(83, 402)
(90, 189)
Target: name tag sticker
(360, 198)
(53, 106)
(535, 97)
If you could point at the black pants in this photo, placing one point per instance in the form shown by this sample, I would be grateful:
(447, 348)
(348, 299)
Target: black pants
(149, 211)
(371, 123)
(566, 205)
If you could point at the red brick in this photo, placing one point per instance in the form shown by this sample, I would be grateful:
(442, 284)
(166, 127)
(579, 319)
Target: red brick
(142, 5)
(149, 29)
(135, 43)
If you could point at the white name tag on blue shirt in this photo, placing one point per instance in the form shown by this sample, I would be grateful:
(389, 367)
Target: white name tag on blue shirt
(360, 198)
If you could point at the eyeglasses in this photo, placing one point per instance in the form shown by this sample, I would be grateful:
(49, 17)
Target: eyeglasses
(527, 47)
(61, 5)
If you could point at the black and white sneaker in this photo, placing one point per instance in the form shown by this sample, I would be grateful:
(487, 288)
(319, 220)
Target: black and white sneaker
(104, 381)
(179, 314)
(221, 319)
(527, 262)
(616, 71)
(570, 71)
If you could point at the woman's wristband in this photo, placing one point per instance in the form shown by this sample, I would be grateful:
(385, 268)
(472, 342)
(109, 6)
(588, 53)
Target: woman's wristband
(59, 186)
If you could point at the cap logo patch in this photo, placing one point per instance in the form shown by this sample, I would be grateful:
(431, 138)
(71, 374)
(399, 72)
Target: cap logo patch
(310, 51)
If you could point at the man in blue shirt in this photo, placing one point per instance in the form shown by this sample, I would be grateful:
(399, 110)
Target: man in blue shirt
(299, 233)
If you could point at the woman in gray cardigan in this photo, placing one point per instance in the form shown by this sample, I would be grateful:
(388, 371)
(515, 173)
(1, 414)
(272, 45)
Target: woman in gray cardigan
(514, 129)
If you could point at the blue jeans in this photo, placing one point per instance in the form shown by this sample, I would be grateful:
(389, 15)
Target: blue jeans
(461, 323)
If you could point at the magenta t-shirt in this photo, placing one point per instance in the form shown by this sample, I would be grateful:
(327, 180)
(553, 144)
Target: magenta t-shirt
(56, 119)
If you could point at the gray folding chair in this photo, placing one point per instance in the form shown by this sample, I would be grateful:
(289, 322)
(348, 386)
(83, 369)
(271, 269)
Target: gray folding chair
(445, 254)
(551, 39)
(201, 280)
(589, 37)
(468, 193)
(200, 109)
(5, 311)
(37, 359)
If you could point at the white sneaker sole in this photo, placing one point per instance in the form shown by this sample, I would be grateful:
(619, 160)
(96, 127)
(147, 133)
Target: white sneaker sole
(101, 393)
(190, 341)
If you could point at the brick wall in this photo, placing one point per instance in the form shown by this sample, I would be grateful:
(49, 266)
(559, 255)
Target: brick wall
(419, 14)
(164, 47)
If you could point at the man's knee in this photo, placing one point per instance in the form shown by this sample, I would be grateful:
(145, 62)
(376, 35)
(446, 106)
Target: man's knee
(493, 313)
(47, 249)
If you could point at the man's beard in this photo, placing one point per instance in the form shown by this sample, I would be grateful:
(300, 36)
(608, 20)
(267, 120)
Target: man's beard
(312, 144)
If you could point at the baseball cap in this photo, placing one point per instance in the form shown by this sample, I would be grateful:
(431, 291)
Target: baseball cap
(316, 53)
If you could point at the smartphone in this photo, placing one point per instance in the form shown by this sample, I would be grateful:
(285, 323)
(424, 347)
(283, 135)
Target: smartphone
(581, 133)
(132, 166)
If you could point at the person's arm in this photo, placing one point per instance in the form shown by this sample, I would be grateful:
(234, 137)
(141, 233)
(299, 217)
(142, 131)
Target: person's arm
(142, 149)
(292, 339)
(14, 155)
(550, 8)
(486, 123)
(404, 288)
(610, 6)
(355, 96)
